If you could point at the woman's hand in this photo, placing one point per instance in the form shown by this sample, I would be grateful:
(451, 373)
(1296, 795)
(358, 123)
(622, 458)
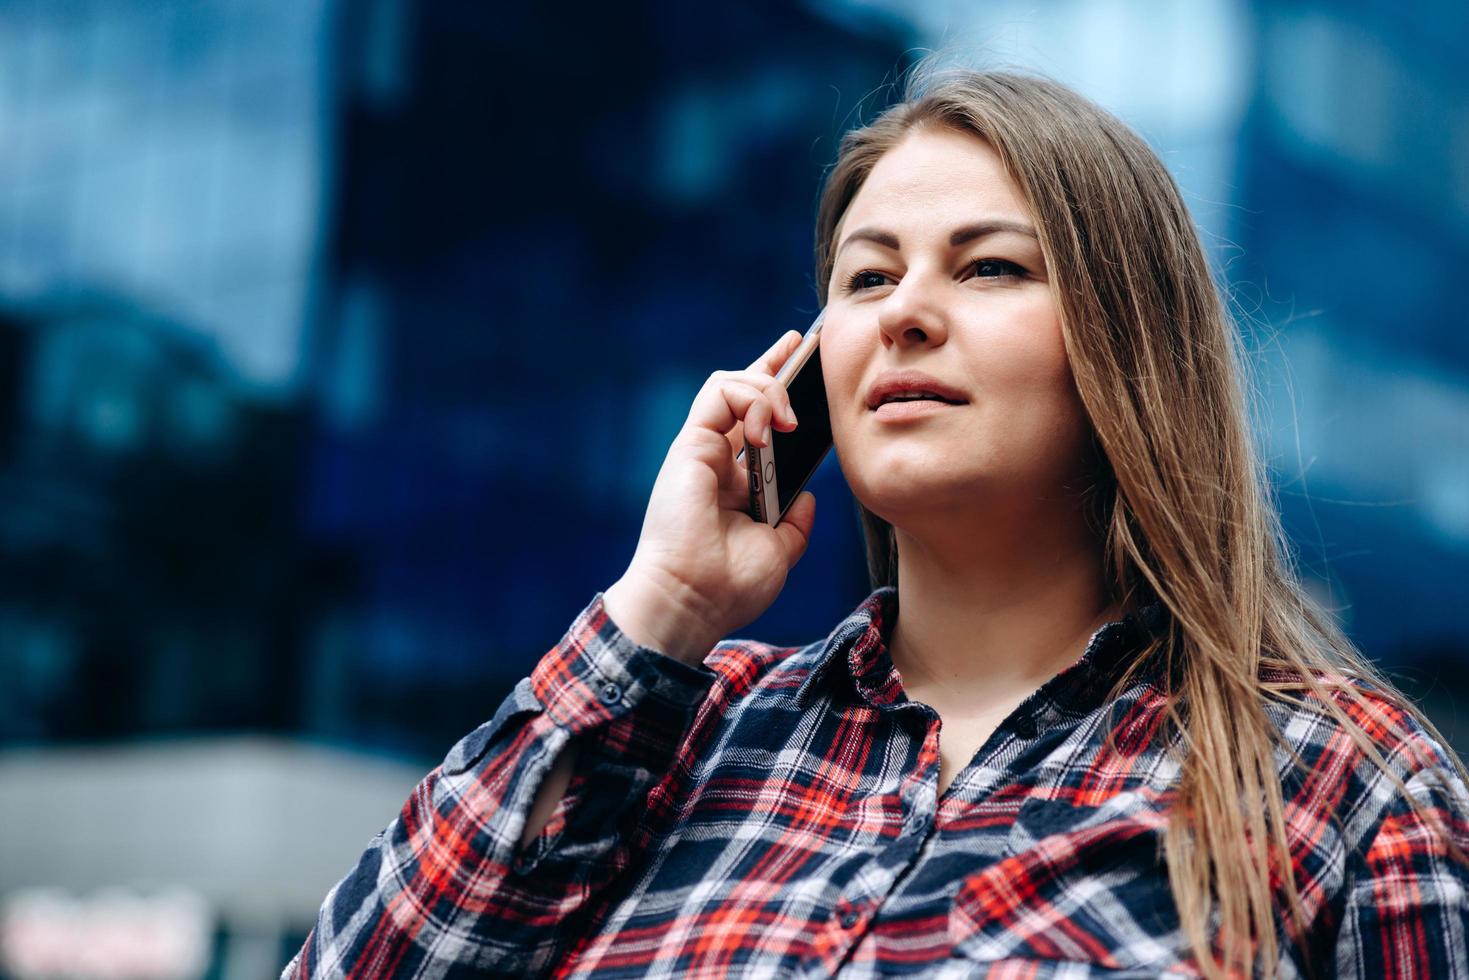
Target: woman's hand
(703, 567)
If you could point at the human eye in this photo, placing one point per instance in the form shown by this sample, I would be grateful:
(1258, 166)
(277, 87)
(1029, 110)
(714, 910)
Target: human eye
(995, 269)
(864, 279)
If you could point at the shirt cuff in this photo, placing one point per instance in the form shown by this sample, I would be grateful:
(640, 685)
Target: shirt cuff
(597, 672)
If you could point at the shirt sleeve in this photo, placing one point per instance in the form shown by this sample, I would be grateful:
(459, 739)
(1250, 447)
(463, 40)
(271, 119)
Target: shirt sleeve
(1407, 911)
(446, 890)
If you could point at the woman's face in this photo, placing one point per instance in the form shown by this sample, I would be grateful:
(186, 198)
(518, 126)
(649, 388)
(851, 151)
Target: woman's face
(938, 270)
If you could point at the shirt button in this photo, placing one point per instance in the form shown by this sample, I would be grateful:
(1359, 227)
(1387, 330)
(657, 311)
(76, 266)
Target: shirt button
(610, 693)
(850, 918)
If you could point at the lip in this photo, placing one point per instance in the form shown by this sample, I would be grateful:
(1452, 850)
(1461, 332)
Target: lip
(909, 411)
(891, 382)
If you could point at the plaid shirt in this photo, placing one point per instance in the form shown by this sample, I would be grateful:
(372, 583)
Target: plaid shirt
(775, 813)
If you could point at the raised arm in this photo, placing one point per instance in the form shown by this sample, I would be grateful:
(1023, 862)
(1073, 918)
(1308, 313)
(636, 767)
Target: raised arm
(498, 860)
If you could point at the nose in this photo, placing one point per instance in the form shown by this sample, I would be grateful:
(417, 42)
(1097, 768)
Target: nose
(910, 317)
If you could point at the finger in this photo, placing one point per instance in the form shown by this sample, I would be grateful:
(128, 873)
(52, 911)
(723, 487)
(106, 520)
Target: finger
(770, 362)
(711, 410)
(779, 397)
(795, 528)
(722, 403)
(756, 421)
(776, 412)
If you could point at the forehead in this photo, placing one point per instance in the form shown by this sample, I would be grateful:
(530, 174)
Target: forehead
(937, 178)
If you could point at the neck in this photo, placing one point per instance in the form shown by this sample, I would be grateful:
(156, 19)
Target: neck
(988, 613)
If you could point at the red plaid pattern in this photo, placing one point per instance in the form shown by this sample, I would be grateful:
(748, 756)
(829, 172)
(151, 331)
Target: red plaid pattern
(774, 813)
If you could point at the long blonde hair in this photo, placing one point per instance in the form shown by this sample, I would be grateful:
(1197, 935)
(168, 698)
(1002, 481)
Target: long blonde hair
(1179, 497)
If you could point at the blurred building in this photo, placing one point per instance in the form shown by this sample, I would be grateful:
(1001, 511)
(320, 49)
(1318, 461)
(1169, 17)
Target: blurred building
(1353, 228)
(171, 153)
(160, 205)
(539, 254)
(132, 464)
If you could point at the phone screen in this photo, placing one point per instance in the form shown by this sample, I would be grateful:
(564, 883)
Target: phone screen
(780, 471)
(800, 451)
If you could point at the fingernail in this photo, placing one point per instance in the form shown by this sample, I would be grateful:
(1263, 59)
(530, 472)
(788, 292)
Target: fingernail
(790, 415)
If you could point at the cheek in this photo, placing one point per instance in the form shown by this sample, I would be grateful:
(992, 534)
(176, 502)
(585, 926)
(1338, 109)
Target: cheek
(841, 368)
(1029, 374)
(840, 387)
(1070, 427)
(1029, 355)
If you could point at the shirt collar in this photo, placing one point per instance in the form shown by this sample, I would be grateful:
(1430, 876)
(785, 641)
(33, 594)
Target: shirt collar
(854, 657)
(857, 650)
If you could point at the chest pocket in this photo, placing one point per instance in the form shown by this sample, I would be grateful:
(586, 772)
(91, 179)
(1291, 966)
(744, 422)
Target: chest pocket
(1080, 884)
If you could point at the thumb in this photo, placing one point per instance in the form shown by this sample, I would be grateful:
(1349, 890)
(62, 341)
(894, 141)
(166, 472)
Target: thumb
(795, 529)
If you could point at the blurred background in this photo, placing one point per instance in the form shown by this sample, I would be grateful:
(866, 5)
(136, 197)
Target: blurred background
(341, 341)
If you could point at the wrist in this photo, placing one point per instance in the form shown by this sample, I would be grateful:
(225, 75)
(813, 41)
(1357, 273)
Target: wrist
(649, 616)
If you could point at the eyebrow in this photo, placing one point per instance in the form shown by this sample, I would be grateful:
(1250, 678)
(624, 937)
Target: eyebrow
(968, 233)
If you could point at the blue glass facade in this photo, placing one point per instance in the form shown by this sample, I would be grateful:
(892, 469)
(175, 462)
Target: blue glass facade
(342, 341)
(1354, 195)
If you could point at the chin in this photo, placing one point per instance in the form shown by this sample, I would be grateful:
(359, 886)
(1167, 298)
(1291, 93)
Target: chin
(903, 497)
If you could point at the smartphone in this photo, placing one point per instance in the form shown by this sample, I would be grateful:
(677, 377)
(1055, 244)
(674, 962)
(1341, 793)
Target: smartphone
(779, 471)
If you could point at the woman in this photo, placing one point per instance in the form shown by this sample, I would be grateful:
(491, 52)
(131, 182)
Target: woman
(1108, 728)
